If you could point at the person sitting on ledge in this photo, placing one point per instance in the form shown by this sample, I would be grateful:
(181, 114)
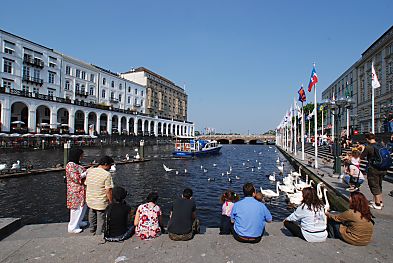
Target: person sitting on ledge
(148, 218)
(354, 226)
(311, 216)
(183, 223)
(118, 223)
(249, 217)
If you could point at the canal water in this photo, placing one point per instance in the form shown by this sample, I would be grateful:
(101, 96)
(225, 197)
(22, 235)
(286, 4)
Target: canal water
(41, 198)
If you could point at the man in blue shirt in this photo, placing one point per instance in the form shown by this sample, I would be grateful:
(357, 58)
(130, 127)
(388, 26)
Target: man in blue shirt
(249, 217)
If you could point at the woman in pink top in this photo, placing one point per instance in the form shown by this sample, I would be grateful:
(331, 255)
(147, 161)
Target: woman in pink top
(148, 218)
(228, 198)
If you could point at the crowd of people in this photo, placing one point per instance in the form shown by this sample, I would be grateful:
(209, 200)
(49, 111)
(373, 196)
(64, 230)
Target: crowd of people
(245, 219)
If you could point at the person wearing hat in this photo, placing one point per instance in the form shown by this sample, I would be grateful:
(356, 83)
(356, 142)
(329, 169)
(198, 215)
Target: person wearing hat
(99, 186)
(118, 223)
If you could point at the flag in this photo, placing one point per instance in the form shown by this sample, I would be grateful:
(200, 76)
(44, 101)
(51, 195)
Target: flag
(311, 114)
(321, 107)
(313, 79)
(302, 94)
(374, 78)
(299, 111)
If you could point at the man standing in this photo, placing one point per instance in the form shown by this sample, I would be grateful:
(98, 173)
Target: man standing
(374, 176)
(249, 217)
(99, 193)
(183, 223)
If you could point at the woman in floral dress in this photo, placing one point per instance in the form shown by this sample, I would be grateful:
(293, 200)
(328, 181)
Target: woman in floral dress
(148, 218)
(76, 191)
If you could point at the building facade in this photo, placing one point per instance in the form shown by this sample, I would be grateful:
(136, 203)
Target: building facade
(41, 89)
(164, 98)
(356, 81)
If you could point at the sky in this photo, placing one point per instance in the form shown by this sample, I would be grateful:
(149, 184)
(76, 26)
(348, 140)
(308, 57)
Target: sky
(241, 62)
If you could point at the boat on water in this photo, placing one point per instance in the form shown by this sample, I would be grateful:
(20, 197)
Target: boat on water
(190, 147)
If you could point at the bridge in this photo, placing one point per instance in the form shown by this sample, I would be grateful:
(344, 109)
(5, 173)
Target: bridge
(241, 139)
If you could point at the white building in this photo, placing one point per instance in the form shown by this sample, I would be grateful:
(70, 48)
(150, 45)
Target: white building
(41, 89)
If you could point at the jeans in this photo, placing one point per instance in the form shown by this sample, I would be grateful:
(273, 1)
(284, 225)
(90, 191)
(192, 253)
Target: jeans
(187, 236)
(96, 220)
(333, 229)
(355, 181)
(242, 239)
(294, 228)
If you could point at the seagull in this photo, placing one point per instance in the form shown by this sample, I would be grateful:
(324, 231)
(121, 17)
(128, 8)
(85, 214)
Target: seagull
(3, 166)
(259, 168)
(127, 157)
(205, 170)
(237, 177)
(272, 177)
(113, 168)
(244, 164)
(229, 180)
(230, 168)
(214, 164)
(177, 172)
(167, 169)
(16, 166)
(210, 179)
(228, 173)
(201, 167)
(185, 171)
(252, 169)
(222, 174)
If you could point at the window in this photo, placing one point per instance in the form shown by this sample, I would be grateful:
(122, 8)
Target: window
(46, 111)
(7, 83)
(8, 50)
(103, 81)
(52, 62)
(36, 73)
(52, 65)
(67, 85)
(136, 92)
(112, 95)
(112, 84)
(103, 93)
(92, 77)
(91, 91)
(83, 75)
(136, 101)
(51, 77)
(7, 67)
(68, 70)
(141, 103)
(26, 71)
(120, 86)
(25, 88)
(129, 100)
(129, 89)
(9, 47)
(83, 88)
(78, 73)
(50, 92)
(77, 87)
(141, 92)
(35, 90)
(119, 97)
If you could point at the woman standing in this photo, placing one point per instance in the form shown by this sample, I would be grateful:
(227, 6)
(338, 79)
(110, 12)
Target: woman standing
(311, 216)
(148, 218)
(76, 191)
(355, 225)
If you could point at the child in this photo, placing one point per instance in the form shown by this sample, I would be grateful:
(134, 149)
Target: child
(259, 197)
(118, 226)
(353, 176)
(227, 199)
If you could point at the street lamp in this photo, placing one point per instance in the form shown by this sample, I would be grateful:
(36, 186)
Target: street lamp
(336, 107)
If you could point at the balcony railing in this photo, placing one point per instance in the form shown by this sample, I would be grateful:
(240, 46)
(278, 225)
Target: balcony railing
(33, 80)
(39, 96)
(81, 93)
(33, 61)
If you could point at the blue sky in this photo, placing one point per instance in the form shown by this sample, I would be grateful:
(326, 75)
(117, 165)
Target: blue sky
(241, 62)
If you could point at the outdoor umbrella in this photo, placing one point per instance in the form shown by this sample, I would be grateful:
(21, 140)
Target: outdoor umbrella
(17, 122)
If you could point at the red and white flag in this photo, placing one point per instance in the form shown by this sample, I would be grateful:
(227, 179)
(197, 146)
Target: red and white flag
(374, 78)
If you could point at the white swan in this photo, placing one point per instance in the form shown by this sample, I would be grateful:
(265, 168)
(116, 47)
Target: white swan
(3, 166)
(127, 157)
(272, 177)
(295, 198)
(137, 156)
(214, 164)
(167, 169)
(278, 160)
(327, 205)
(281, 168)
(16, 166)
(205, 170)
(319, 190)
(113, 168)
(237, 177)
(270, 193)
(286, 188)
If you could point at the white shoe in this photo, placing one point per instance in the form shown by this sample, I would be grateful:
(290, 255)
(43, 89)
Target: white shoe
(75, 231)
(373, 203)
(378, 207)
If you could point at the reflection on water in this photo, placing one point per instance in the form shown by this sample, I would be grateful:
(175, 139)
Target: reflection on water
(41, 198)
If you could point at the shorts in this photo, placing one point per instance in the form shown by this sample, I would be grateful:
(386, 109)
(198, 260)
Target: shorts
(374, 179)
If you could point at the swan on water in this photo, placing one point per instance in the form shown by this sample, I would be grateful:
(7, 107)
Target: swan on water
(113, 168)
(278, 160)
(214, 164)
(237, 177)
(205, 170)
(3, 166)
(176, 172)
(229, 180)
(281, 168)
(127, 157)
(295, 198)
(167, 169)
(272, 177)
(327, 205)
(270, 193)
(16, 166)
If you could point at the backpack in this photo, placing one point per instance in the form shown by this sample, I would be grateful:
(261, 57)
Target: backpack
(382, 159)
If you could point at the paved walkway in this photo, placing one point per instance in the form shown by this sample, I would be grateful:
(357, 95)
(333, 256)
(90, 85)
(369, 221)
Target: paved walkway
(50, 243)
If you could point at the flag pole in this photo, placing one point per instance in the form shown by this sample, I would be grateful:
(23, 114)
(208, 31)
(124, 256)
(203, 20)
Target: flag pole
(316, 127)
(309, 127)
(372, 110)
(302, 132)
(291, 127)
(296, 115)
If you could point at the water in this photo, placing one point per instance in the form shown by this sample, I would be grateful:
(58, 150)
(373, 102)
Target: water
(41, 198)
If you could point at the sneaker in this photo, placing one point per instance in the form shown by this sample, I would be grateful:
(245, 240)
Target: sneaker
(378, 207)
(75, 231)
(352, 189)
(373, 203)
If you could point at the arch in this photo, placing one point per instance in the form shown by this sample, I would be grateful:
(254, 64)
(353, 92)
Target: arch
(139, 127)
(43, 118)
(223, 141)
(20, 116)
(63, 116)
(131, 126)
(123, 125)
(115, 124)
(238, 141)
(92, 121)
(159, 129)
(104, 123)
(169, 129)
(177, 130)
(185, 130)
(146, 127)
(151, 128)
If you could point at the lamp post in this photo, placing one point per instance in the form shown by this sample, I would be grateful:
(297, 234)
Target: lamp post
(337, 107)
